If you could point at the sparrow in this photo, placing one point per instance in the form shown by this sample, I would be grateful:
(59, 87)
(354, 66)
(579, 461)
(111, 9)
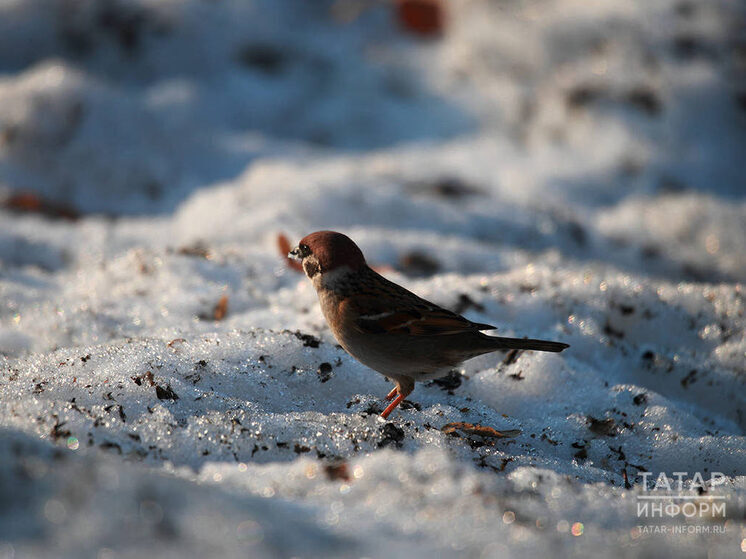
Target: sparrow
(385, 326)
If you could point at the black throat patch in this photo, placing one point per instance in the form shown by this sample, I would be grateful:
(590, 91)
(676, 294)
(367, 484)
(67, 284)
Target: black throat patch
(311, 268)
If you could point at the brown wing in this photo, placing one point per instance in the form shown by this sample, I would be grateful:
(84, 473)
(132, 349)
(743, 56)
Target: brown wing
(413, 317)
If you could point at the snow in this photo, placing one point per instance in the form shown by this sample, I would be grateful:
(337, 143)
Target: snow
(566, 170)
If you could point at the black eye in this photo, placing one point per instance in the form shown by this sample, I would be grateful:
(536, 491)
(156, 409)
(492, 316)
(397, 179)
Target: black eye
(304, 250)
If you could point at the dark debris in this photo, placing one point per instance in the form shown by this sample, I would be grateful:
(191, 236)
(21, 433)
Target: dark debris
(450, 382)
(324, 372)
(307, 339)
(165, 393)
(392, 435)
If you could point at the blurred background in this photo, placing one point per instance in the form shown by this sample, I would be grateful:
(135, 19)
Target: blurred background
(128, 107)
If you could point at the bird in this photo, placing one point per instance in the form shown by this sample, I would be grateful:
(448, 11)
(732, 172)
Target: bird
(387, 327)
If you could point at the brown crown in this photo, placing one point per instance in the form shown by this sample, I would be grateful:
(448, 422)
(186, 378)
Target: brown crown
(333, 250)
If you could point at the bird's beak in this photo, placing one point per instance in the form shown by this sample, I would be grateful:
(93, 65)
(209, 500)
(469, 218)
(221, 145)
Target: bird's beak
(295, 254)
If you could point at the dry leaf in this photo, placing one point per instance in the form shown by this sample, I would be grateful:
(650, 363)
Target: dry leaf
(221, 309)
(422, 17)
(198, 249)
(481, 430)
(337, 471)
(29, 202)
(283, 245)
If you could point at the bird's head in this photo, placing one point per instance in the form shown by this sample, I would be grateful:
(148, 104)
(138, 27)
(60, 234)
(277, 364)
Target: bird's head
(326, 251)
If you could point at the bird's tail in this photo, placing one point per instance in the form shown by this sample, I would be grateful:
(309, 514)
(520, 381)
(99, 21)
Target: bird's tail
(536, 345)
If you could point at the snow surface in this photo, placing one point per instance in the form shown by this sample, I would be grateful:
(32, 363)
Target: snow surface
(566, 170)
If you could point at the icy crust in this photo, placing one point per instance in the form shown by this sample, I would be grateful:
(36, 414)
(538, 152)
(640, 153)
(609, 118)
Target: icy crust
(265, 395)
(214, 407)
(387, 503)
(653, 382)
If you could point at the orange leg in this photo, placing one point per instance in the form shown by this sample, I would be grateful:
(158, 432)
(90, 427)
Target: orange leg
(404, 389)
(392, 405)
(392, 393)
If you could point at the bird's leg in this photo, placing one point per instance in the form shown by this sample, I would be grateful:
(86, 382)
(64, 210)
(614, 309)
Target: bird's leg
(404, 387)
(392, 393)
